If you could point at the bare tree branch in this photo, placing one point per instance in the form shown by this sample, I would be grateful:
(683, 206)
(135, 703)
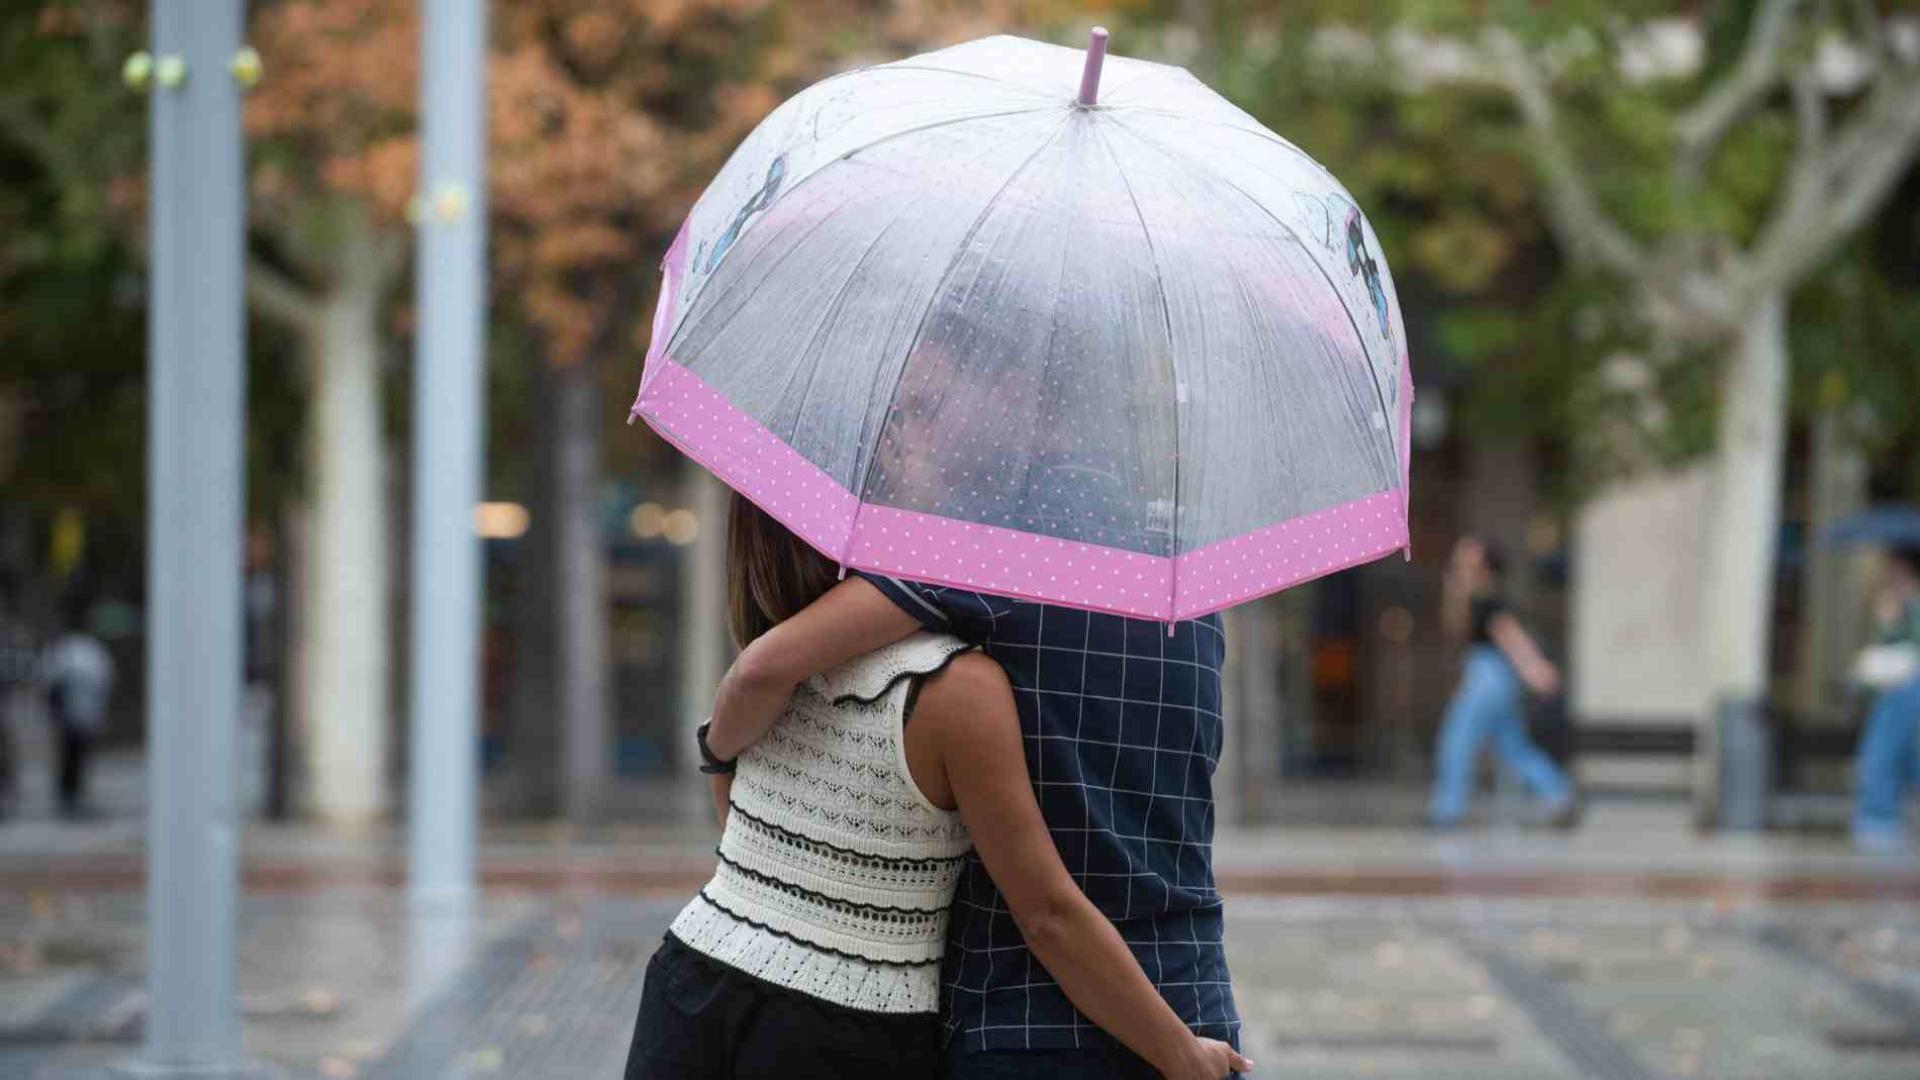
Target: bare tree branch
(1867, 22)
(1806, 179)
(1701, 128)
(1573, 212)
(1832, 195)
(277, 296)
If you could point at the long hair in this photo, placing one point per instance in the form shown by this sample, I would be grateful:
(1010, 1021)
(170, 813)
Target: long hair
(771, 573)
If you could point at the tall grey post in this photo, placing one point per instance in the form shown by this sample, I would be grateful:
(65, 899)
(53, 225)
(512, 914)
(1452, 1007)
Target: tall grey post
(196, 403)
(448, 434)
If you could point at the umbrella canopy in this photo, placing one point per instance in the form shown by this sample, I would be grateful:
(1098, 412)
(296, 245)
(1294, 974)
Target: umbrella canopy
(1891, 526)
(984, 318)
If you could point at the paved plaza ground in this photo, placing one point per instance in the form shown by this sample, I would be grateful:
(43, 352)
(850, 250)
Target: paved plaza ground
(1631, 949)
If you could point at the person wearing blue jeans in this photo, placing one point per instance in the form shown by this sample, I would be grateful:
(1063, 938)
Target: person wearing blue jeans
(1887, 763)
(1502, 663)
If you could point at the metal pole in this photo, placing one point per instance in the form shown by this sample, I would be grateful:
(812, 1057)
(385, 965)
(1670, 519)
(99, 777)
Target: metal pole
(703, 606)
(196, 402)
(449, 432)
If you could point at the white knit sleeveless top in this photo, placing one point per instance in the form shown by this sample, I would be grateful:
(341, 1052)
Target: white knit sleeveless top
(835, 871)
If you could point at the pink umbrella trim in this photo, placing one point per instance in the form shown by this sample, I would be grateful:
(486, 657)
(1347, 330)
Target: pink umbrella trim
(702, 424)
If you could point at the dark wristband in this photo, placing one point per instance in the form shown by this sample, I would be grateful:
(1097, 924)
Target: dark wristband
(710, 764)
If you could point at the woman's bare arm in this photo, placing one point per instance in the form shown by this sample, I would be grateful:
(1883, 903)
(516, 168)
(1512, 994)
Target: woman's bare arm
(720, 786)
(1535, 669)
(964, 748)
(853, 618)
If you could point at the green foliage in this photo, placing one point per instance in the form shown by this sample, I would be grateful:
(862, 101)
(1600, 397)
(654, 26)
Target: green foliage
(73, 292)
(72, 325)
(1451, 184)
(1744, 180)
(1852, 333)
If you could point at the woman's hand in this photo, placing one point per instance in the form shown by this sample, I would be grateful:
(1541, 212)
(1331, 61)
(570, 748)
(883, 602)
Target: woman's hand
(1210, 1059)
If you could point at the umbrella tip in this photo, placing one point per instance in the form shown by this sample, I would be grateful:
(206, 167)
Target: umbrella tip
(1090, 75)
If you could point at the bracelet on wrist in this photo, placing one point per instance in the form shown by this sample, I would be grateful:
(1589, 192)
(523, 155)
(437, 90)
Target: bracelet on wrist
(710, 763)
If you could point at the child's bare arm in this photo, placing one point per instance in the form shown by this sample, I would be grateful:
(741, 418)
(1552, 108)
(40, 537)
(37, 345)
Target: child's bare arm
(852, 618)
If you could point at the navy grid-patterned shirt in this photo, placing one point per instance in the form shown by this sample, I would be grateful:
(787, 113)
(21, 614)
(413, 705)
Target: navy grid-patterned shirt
(1122, 727)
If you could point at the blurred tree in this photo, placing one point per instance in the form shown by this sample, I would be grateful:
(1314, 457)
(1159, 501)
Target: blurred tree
(1709, 209)
(331, 140)
(71, 326)
(603, 117)
(1693, 163)
(606, 121)
(609, 119)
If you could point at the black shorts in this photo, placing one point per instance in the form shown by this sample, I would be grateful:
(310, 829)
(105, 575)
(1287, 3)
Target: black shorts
(702, 1020)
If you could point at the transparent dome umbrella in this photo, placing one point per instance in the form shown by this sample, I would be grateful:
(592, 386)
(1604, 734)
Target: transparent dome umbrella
(984, 318)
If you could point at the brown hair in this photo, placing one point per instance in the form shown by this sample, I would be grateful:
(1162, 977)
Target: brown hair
(771, 573)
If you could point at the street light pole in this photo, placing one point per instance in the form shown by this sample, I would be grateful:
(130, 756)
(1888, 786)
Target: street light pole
(196, 403)
(449, 433)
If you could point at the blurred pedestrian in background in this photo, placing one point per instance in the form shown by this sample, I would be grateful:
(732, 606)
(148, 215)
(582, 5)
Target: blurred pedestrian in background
(78, 672)
(1885, 765)
(1502, 660)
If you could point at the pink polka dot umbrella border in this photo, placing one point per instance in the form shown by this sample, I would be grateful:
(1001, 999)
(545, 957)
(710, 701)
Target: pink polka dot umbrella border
(701, 423)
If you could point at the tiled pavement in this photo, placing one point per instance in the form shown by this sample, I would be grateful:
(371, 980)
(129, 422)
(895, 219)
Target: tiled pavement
(345, 985)
(1633, 949)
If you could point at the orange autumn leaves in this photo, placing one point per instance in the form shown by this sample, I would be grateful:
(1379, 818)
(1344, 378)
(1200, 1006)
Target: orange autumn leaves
(606, 118)
(595, 147)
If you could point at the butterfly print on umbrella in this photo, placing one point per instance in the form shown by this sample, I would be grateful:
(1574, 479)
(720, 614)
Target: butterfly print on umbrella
(1363, 264)
(757, 202)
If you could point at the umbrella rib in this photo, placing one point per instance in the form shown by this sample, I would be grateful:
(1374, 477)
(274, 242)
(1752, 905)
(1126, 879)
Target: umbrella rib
(1053, 330)
(893, 396)
(1173, 364)
(832, 310)
(693, 300)
(839, 298)
(904, 66)
(1257, 133)
(700, 288)
(915, 130)
(1360, 338)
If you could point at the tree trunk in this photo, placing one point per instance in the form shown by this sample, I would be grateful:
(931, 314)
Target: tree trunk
(532, 758)
(344, 664)
(1833, 604)
(1249, 766)
(561, 749)
(581, 596)
(1733, 762)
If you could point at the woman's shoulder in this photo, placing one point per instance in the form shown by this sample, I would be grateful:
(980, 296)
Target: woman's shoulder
(970, 672)
(872, 676)
(969, 686)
